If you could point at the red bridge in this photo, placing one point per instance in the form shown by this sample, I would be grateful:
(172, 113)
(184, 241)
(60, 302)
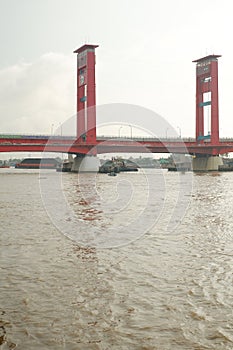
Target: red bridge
(21, 143)
(204, 147)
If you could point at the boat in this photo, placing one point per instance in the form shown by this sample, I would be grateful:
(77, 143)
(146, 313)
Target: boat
(4, 164)
(38, 163)
(64, 167)
(117, 165)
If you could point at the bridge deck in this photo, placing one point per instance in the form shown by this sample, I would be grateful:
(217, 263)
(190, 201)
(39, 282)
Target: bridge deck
(69, 144)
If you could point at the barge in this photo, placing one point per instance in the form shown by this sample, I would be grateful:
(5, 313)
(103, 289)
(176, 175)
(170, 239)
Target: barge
(38, 163)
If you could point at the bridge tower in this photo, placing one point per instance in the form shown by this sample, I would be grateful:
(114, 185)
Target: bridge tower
(86, 95)
(207, 81)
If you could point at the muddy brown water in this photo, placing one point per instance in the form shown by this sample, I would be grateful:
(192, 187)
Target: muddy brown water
(164, 290)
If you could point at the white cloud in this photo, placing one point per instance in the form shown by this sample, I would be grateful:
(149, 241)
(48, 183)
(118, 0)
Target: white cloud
(33, 96)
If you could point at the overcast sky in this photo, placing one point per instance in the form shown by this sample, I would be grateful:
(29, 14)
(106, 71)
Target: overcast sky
(144, 57)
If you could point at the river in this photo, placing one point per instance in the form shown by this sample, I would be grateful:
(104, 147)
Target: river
(121, 279)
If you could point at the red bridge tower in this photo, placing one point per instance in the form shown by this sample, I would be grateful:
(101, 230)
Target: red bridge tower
(207, 81)
(86, 100)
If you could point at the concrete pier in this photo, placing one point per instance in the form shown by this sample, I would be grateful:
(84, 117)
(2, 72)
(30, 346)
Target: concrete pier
(85, 164)
(206, 163)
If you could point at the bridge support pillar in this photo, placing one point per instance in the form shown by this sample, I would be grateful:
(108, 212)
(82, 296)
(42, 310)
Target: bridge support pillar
(86, 96)
(85, 164)
(206, 163)
(207, 96)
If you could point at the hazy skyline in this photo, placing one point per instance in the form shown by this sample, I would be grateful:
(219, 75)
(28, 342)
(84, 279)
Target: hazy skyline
(144, 57)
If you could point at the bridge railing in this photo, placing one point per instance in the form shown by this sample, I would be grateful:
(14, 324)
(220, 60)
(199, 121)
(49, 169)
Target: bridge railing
(226, 139)
(37, 136)
(103, 137)
(147, 138)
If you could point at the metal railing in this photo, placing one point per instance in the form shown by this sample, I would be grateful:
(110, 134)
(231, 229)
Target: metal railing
(103, 137)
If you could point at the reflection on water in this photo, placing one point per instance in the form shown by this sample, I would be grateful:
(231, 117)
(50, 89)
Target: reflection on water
(163, 291)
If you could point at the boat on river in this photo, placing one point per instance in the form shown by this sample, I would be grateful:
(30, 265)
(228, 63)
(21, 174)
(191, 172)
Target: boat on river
(117, 165)
(38, 163)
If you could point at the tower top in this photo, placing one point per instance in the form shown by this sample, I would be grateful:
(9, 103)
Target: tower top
(207, 58)
(86, 47)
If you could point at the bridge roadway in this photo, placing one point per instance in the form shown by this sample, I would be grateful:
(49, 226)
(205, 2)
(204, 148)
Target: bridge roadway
(69, 144)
